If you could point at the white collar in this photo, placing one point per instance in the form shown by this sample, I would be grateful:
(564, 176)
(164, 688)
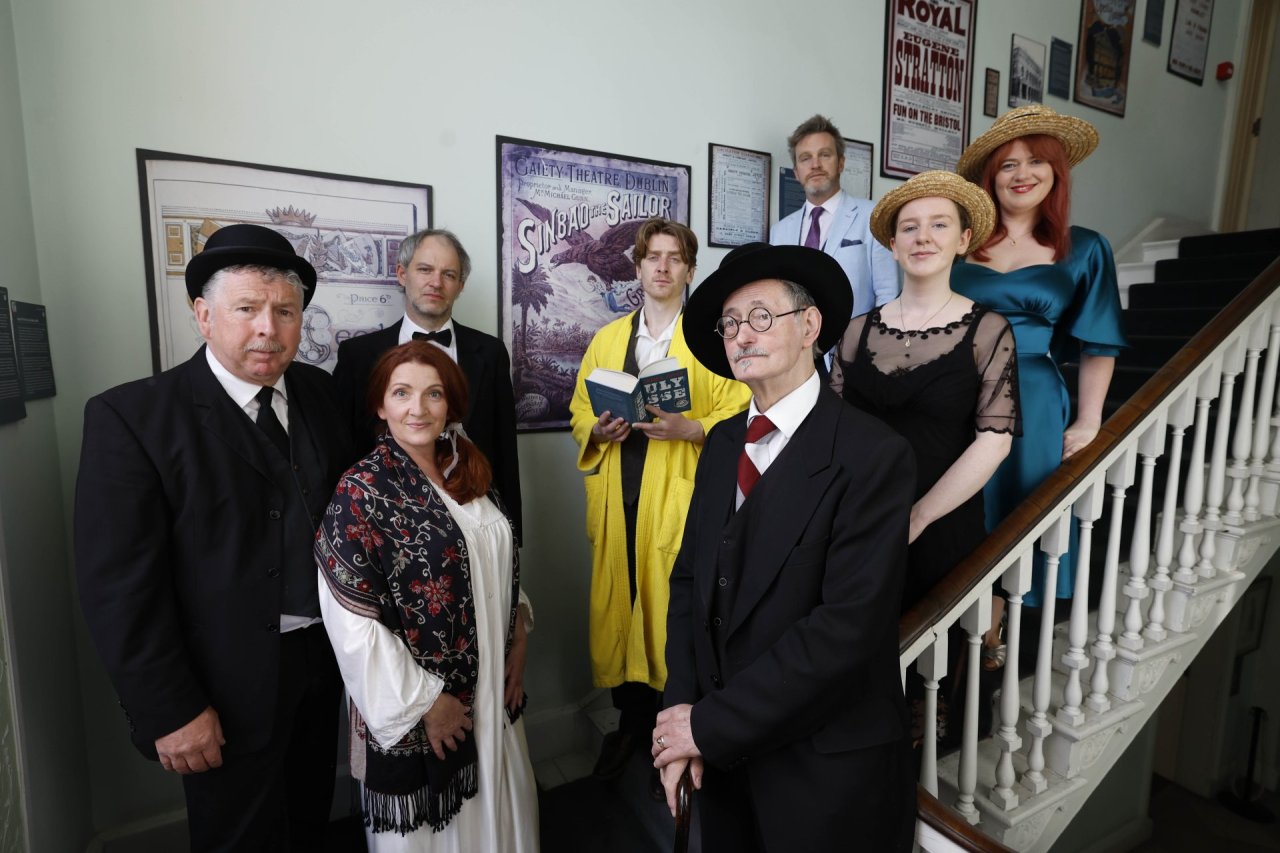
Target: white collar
(408, 327)
(789, 412)
(240, 391)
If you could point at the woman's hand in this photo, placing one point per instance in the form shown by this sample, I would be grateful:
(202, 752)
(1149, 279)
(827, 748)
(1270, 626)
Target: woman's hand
(609, 428)
(448, 722)
(513, 676)
(1077, 437)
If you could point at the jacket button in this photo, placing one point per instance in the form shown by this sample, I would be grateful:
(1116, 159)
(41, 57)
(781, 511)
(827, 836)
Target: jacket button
(716, 621)
(272, 627)
(297, 467)
(274, 514)
(723, 582)
(273, 572)
(715, 679)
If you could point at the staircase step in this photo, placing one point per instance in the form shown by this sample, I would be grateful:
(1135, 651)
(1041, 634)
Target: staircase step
(1151, 350)
(1186, 294)
(1215, 268)
(1167, 321)
(1239, 242)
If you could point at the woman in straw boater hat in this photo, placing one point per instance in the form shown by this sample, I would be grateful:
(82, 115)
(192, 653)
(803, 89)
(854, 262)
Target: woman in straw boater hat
(1057, 285)
(937, 367)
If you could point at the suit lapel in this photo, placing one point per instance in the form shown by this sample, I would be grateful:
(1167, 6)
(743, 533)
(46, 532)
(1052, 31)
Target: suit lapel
(716, 500)
(843, 224)
(221, 416)
(470, 359)
(789, 491)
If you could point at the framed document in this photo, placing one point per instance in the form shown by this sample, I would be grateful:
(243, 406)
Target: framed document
(567, 222)
(1153, 22)
(1060, 68)
(1026, 72)
(348, 228)
(737, 196)
(1102, 58)
(1189, 42)
(991, 94)
(859, 163)
(790, 193)
(928, 60)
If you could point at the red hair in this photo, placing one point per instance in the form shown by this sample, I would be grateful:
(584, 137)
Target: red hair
(471, 477)
(1054, 226)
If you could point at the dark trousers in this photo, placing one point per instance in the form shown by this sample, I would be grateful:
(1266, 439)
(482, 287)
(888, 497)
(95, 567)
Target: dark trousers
(278, 798)
(862, 800)
(637, 703)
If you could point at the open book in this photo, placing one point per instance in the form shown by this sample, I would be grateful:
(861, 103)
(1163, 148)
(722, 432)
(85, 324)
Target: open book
(664, 384)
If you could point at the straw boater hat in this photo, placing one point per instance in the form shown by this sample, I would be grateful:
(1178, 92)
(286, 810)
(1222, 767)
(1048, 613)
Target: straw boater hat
(970, 196)
(245, 243)
(815, 271)
(1077, 136)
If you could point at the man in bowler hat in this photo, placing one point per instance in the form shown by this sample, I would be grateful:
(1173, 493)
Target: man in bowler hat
(783, 694)
(196, 506)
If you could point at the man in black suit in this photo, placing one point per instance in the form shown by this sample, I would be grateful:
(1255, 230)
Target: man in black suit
(783, 693)
(199, 494)
(433, 267)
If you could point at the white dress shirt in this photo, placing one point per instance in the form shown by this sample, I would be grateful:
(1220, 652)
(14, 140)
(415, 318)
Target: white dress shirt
(650, 348)
(408, 327)
(830, 208)
(786, 415)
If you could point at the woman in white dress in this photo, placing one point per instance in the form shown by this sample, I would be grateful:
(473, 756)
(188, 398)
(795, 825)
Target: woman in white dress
(420, 592)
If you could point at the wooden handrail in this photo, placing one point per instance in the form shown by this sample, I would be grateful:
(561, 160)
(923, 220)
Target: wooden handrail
(947, 594)
(948, 823)
(971, 571)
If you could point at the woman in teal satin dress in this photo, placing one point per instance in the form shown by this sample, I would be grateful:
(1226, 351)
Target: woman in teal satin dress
(1056, 284)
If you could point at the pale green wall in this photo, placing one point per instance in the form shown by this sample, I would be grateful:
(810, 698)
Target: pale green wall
(415, 90)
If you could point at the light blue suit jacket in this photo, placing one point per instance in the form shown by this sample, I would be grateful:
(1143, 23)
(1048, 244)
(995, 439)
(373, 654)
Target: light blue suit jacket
(872, 271)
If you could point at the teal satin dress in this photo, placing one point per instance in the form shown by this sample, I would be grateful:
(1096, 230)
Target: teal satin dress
(1057, 311)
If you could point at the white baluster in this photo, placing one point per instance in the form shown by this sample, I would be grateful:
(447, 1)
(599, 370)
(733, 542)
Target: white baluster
(1215, 484)
(932, 665)
(1053, 544)
(1119, 477)
(1087, 508)
(1262, 427)
(1192, 497)
(1180, 416)
(975, 622)
(1242, 442)
(1150, 447)
(1017, 580)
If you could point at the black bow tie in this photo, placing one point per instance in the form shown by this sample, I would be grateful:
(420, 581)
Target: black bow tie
(444, 337)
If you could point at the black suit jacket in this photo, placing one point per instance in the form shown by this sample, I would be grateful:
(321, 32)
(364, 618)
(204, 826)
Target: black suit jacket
(810, 661)
(179, 536)
(491, 421)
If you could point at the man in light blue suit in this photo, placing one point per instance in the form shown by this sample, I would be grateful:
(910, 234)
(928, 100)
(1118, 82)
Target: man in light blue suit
(843, 222)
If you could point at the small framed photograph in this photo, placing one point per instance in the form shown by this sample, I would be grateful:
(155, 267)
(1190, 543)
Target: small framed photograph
(737, 195)
(1189, 42)
(859, 161)
(991, 94)
(1026, 72)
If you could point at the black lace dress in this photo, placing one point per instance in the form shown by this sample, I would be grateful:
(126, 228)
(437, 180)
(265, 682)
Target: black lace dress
(936, 387)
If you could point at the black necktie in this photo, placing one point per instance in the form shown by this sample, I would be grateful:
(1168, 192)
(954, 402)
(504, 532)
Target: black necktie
(443, 337)
(269, 423)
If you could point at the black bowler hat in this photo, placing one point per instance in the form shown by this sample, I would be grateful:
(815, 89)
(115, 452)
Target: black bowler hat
(248, 244)
(815, 271)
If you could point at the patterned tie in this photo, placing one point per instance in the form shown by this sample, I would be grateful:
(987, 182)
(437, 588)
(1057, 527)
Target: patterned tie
(443, 337)
(814, 240)
(759, 427)
(269, 423)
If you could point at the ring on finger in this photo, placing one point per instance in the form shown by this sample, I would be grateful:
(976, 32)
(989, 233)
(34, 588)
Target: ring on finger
(662, 744)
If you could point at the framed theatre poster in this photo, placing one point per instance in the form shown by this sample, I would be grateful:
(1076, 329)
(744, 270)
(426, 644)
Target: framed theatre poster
(567, 222)
(738, 196)
(1102, 60)
(348, 228)
(927, 82)
(1189, 43)
(1026, 72)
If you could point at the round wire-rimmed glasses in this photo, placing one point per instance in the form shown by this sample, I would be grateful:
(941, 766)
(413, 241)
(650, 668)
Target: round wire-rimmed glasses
(760, 319)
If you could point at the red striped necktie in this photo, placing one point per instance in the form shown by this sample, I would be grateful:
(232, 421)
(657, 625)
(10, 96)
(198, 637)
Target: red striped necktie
(759, 427)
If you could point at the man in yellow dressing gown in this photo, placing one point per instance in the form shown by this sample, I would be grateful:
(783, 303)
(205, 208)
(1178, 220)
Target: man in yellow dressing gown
(639, 481)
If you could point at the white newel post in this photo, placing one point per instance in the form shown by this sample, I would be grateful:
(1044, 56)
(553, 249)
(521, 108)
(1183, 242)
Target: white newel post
(932, 666)
(975, 622)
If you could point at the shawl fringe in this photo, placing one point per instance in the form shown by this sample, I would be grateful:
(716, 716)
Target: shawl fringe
(404, 813)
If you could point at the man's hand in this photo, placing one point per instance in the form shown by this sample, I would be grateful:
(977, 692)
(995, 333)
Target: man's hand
(673, 736)
(671, 778)
(194, 748)
(447, 723)
(610, 428)
(671, 426)
(513, 677)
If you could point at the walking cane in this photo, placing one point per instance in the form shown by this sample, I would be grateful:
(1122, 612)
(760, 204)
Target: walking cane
(684, 811)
